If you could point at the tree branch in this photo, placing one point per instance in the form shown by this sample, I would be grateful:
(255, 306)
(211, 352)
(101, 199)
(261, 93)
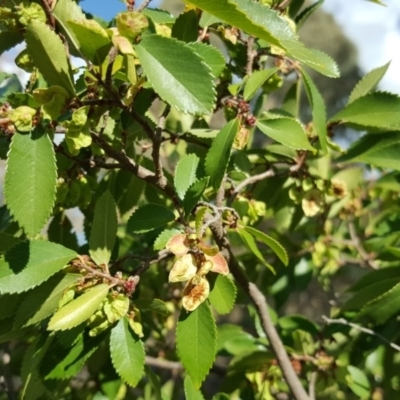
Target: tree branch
(261, 305)
(360, 328)
(163, 364)
(157, 140)
(251, 54)
(49, 13)
(144, 4)
(249, 181)
(359, 247)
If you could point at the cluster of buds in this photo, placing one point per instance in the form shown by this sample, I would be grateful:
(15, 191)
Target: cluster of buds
(6, 125)
(240, 108)
(196, 260)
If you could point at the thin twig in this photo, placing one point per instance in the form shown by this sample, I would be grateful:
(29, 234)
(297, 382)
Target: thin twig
(251, 54)
(219, 199)
(49, 13)
(359, 247)
(300, 162)
(141, 172)
(163, 364)
(360, 328)
(311, 385)
(261, 306)
(144, 4)
(157, 140)
(249, 181)
(95, 272)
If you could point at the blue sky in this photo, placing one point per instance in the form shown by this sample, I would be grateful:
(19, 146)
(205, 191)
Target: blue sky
(106, 9)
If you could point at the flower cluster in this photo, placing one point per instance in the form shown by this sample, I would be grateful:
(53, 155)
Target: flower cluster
(196, 260)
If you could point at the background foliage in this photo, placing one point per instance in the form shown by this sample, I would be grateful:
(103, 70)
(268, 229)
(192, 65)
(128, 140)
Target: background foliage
(202, 153)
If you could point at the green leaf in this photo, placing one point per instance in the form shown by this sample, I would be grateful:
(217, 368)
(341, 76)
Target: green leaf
(223, 294)
(31, 180)
(49, 56)
(196, 341)
(177, 74)
(127, 353)
(8, 40)
(273, 244)
(191, 392)
(185, 174)
(64, 11)
(149, 217)
(262, 22)
(250, 361)
(256, 80)
(153, 305)
(287, 131)
(218, 156)
(383, 307)
(358, 382)
(28, 264)
(317, 109)
(159, 16)
(211, 56)
(94, 42)
(370, 292)
(194, 194)
(7, 241)
(185, 27)
(375, 276)
(42, 301)
(33, 387)
(104, 229)
(163, 238)
(306, 13)
(79, 310)
(62, 362)
(250, 243)
(298, 322)
(379, 150)
(368, 83)
(61, 231)
(9, 304)
(376, 110)
(7, 332)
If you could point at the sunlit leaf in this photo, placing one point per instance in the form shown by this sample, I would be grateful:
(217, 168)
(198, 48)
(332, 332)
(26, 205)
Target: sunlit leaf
(30, 181)
(127, 353)
(79, 310)
(196, 339)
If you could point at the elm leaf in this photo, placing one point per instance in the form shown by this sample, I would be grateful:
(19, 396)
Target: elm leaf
(317, 109)
(31, 180)
(127, 353)
(28, 264)
(149, 217)
(177, 73)
(49, 56)
(185, 174)
(79, 310)
(223, 294)
(368, 82)
(196, 341)
(218, 156)
(104, 229)
(287, 131)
